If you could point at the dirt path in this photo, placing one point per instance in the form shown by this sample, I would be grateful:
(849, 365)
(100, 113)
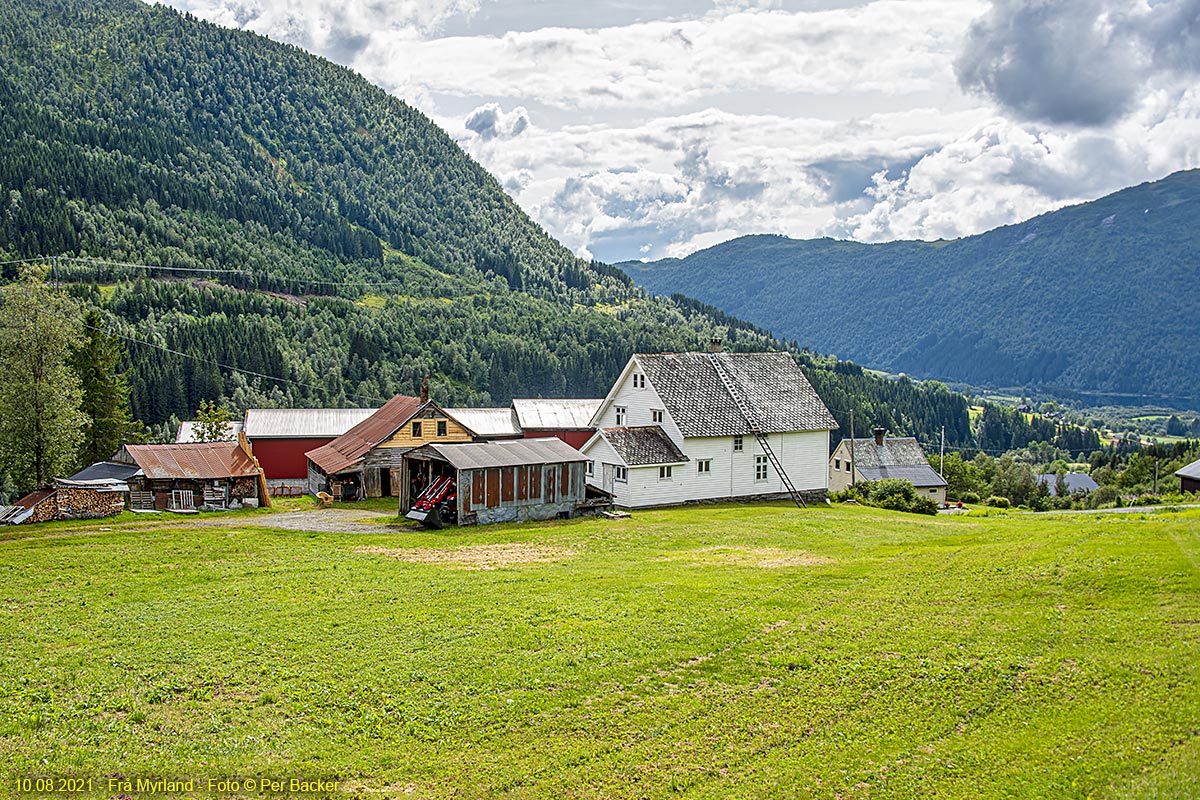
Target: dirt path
(321, 520)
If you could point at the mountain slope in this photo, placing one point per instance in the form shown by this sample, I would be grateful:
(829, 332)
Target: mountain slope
(1099, 296)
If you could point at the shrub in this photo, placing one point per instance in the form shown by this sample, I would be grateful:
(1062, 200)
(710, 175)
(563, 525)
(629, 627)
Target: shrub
(1103, 497)
(892, 493)
(923, 505)
(996, 501)
(969, 497)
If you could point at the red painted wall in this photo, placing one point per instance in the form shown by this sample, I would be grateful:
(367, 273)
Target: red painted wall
(284, 458)
(574, 438)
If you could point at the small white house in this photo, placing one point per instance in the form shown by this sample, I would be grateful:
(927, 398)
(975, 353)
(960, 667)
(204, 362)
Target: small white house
(688, 427)
(860, 460)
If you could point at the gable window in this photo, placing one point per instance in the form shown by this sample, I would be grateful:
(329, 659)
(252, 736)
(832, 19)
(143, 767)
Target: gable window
(665, 473)
(620, 414)
(416, 429)
(656, 415)
(837, 464)
(704, 467)
(639, 381)
(441, 427)
(760, 468)
(620, 474)
(737, 444)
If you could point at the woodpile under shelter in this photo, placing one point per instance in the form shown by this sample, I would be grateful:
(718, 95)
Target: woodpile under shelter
(487, 482)
(187, 477)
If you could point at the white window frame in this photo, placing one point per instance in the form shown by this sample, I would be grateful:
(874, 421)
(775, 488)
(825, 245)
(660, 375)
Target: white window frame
(837, 464)
(761, 472)
(704, 467)
(591, 469)
(737, 444)
(619, 413)
(656, 416)
(666, 472)
(620, 474)
(639, 381)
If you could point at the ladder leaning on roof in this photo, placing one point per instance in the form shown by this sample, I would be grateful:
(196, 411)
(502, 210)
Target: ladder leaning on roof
(756, 429)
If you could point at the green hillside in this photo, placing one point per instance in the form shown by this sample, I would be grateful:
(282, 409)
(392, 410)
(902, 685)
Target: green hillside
(131, 133)
(1096, 297)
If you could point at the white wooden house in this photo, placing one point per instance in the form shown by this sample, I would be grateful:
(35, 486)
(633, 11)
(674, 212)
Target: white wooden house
(859, 460)
(689, 427)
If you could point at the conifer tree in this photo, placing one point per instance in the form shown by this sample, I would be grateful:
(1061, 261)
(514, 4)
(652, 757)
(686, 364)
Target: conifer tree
(105, 404)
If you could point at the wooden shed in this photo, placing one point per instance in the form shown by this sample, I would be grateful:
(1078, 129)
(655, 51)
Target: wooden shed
(184, 477)
(487, 482)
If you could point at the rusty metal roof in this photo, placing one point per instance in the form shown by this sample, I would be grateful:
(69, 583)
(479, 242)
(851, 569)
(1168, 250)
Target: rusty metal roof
(202, 461)
(511, 453)
(349, 448)
(302, 423)
(551, 414)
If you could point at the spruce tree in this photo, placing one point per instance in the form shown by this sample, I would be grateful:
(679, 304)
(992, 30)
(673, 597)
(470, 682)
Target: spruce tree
(105, 404)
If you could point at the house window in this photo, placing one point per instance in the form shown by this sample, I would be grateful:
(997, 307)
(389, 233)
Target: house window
(656, 415)
(441, 427)
(704, 467)
(664, 473)
(591, 468)
(737, 444)
(620, 474)
(639, 381)
(416, 429)
(620, 412)
(760, 468)
(837, 464)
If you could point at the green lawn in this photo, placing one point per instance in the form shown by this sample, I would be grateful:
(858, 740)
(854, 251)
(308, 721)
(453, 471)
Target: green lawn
(729, 651)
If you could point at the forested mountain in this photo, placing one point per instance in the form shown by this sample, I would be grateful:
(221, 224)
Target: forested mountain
(307, 239)
(1099, 296)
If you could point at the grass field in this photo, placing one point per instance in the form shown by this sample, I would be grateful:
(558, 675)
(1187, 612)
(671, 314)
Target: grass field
(729, 651)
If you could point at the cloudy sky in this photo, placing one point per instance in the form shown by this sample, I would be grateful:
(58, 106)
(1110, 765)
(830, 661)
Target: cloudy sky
(651, 128)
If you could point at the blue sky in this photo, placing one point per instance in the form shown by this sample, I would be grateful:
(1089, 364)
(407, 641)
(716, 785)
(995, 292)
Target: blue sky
(650, 129)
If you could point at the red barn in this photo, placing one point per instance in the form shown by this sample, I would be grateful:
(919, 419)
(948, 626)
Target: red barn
(281, 436)
(567, 419)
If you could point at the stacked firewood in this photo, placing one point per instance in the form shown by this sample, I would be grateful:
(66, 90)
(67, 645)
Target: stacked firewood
(80, 503)
(244, 487)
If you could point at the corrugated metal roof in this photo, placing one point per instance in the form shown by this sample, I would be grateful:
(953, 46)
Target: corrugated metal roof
(1192, 471)
(187, 432)
(302, 423)
(105, 470)
(30, 501)
(643, 446)
(200, 461)
(771, 385)
(566, 414)
(346, 450)
(487, 421)
(512, 453)
(99, 484)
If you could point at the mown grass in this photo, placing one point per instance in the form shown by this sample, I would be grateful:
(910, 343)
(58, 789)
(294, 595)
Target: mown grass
(744, 651)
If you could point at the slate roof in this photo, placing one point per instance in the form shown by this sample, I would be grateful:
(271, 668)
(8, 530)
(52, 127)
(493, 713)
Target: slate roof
(511, 453)
(778, 396)
(487, 421)
(348, 449)
(302, 423)
(897, 458)
(643, 446)
(201, 461)
(105, 471)
(1076, 482)
(548, 414)
(188, 432)
(1192, 471)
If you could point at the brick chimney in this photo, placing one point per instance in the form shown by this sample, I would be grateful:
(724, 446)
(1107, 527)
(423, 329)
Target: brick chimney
(879, 436)
(425, 389)
(714, 345)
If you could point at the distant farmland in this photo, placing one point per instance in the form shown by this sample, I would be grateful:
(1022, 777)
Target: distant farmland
(723, 651)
